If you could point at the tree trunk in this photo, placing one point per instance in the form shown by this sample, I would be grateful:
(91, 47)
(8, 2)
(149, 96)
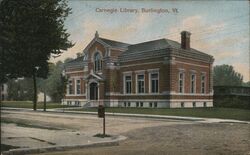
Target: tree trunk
(44, 102)
(35, 92)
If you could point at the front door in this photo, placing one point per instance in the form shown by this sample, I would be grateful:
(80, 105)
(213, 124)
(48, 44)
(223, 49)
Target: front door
(93, 91)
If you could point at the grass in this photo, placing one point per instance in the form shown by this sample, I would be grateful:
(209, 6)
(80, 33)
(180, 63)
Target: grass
(26, 124)
(5, 147)
(224, 113)
(100, 135)
(29, 104)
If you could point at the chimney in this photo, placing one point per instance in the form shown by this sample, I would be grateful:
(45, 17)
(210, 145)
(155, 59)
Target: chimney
(185, 40)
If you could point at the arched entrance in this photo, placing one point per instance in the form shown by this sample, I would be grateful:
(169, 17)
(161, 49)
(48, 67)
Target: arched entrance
(93, 91)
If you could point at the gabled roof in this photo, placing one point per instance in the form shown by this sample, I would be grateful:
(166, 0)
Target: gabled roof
(158, 48)
(113, 43)
(78, 62)
(96, 76)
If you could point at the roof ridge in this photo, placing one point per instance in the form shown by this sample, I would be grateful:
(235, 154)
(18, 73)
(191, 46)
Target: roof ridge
(114, 40)
(149, 41)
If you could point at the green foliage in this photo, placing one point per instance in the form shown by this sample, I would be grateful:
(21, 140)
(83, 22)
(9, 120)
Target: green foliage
(225, 75)
(20, 89)
(31, 31)
(54, 84)
(247, 84)
(232, 101)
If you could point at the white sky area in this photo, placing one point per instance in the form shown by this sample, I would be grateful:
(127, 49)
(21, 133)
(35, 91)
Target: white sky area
(219, 28)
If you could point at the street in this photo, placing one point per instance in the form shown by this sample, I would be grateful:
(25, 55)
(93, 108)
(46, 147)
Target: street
(144, 135)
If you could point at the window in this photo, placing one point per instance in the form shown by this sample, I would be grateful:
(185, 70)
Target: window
(70, 87)
(141, 104)
(137, 104)
(69, 103)
(3, 97)
(181, 82)
(125, 104)
(204, 104)
(155, 104)
(193, 83)
(154, 82)
(203, 84)
(194, 104)
(150, 104)
(182, 104)
(128, 80)
(77, 103)
(78, 86)
(98, 62)
(140, 83)
(129, 104)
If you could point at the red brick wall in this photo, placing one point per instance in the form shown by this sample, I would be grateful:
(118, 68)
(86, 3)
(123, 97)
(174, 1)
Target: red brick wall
(188, 71)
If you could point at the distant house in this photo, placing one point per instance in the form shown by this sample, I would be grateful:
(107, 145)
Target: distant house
(4, 92)
(157, 74)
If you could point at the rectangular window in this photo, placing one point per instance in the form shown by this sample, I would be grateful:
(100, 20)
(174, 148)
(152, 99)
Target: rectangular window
(129, 104)
(155, 104)
(70, 87)
(150, 104)
(140, 83)
(193, 79)
(141, 104)
(128, 81)
(137, 104)
(194, 104)
(78, 86)
(181, 82)
(203, 84)
(182, 104)
(154, 82)
(77, 103)
(204, 104)
(125, 104)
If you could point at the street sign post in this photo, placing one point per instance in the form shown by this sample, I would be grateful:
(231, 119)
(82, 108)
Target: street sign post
(101, 114)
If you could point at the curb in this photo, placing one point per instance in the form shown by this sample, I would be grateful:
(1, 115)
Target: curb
(23, 151)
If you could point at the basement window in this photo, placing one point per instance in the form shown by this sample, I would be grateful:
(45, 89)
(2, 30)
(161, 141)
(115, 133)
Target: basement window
(194, 104)
(155, 104)
(182, 104)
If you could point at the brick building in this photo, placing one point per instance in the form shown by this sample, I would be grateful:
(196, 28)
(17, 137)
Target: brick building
(159, 73)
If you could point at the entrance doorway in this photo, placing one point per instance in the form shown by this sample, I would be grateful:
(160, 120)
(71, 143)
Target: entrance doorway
(93, 91)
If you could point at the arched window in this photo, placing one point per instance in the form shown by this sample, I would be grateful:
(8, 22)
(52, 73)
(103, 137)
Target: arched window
(98, 62)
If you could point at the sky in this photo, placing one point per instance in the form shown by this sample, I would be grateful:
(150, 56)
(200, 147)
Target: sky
(218, 28)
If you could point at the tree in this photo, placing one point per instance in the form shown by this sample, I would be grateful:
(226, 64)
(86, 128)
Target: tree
(55, 83)
(20, 89)
(225, 75)
(31, 31)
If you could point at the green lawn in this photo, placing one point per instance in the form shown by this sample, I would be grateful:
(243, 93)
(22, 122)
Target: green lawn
(29, 104)
(226, 113)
